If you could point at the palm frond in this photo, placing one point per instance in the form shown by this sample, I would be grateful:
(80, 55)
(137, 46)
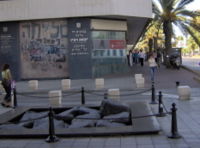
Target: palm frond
(188, 13)
(183, 3)
(196, 39)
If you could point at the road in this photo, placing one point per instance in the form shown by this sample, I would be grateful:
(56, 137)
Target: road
(192, 62)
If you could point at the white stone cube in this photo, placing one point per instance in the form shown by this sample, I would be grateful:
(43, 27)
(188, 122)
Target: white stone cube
(184, 92)
(55, 97)
(66, 84)
(114, 93)
(33, 84)
(99, 83)
(139, 75)
(140, 82)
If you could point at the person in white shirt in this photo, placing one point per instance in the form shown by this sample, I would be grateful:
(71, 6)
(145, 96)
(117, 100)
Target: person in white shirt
(141, 57)
(152, 65)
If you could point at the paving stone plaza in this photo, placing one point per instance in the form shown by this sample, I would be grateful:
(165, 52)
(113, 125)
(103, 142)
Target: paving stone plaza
(188, 120)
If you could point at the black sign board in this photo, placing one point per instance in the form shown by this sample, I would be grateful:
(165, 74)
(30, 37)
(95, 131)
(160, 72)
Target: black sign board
(80, 65)
(9, 47)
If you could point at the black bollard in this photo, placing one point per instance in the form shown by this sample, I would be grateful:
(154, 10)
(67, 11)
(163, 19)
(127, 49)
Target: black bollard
(160, 106)
(105, 96)
(174, 128)
(14, 98)
(82, 96)
(177, 83)
(52, 137)
(153, 97)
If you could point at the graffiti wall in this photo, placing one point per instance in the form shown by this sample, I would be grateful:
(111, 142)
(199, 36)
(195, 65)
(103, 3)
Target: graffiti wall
(43, 49)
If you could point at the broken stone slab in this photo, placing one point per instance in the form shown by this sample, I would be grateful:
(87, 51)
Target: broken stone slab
(29, 116)
(109, 107)
(106, 123)
(79, 123)
(44, 124)
(123, 117)
(11, 126)
(68, 115)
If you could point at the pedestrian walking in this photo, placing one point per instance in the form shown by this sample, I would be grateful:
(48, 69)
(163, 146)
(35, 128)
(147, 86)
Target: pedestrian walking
(141, 57)
(152, 65)
(6, 83)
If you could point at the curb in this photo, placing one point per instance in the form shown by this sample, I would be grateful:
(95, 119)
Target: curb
(197, 73)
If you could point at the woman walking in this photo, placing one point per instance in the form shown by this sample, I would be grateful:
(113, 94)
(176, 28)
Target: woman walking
(6, 82)
(152, 65)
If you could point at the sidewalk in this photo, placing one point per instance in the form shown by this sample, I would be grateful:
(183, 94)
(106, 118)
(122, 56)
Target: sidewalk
(165, 81)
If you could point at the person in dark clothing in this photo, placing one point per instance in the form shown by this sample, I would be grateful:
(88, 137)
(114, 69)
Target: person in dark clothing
(6, 83)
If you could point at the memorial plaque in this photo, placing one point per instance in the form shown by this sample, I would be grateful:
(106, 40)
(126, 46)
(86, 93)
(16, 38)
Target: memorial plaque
(79, 48)
(9, 47)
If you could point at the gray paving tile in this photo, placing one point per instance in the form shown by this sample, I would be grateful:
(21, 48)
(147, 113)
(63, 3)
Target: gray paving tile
(145, 146)
(97, 140)
(35, 145)
(112, 146)
(113, 141)
(144, 140)
(129, 146)
(128, 140)
(160, 139)
(162, 146)
(95, 145)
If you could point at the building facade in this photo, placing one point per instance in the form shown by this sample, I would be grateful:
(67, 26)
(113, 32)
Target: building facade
(74, 39)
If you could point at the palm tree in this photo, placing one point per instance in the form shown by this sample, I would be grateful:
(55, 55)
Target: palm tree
(168, 13)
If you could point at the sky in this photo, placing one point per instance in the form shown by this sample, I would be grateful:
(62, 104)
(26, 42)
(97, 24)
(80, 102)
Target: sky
(193, 6)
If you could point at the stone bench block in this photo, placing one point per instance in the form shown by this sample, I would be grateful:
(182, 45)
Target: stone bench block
(99, 83)
(55, 97)
(184, 92)
(140, 82)
(139, 75)
(66, 84)
(33, 84)
(114, 93)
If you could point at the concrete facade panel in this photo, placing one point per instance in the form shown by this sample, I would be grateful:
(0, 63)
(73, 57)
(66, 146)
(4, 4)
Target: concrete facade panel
(43, 9)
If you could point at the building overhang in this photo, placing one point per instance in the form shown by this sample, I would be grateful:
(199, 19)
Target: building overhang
(135, 12)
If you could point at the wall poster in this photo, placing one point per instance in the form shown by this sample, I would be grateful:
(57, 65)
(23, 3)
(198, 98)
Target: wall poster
(43, 49)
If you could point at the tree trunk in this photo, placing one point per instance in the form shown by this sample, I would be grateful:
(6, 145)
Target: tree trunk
(167, 28)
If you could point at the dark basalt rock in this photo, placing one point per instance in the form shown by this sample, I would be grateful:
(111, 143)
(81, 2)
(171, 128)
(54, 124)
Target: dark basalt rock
(109, 107)
(29, 116)
(123, 117)
(70, 114)
(44, 123)
(87, 120)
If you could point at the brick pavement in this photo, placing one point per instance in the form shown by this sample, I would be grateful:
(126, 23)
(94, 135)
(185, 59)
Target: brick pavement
(188, 113)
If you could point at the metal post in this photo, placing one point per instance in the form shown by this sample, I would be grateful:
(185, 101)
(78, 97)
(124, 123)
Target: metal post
(15, 98)
(82, 96)
(153, 97)
(52, 137)
(174, 128)
(177, 83)
(160, 106)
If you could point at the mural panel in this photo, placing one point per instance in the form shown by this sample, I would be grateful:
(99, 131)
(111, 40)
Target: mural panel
(43, 47)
